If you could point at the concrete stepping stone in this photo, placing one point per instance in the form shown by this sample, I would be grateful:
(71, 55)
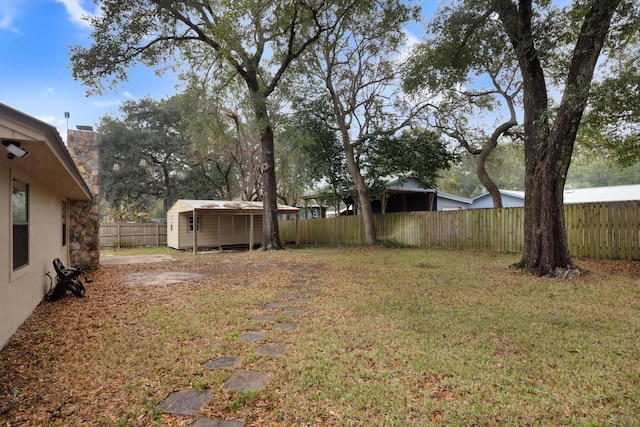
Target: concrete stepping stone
(252, 336)
(245, 380)
(295, 287)
(244, 284)
(271, 349)
(287, 327)
(274, 305)
(215, 422)
(265, 318)
(302, 300)
(287, 296)
(223, 362)
(315, 283)
(293, 310)
(188, 401)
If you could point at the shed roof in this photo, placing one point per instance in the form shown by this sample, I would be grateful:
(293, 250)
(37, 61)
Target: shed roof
(227, 206)
(48, 162)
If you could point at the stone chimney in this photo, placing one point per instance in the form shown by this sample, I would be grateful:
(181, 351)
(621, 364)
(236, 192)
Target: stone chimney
(84, 224)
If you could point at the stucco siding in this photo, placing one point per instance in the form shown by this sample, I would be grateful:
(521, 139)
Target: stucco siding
(23, 289)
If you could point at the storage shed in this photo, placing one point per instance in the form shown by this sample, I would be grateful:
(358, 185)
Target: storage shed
(217, 223)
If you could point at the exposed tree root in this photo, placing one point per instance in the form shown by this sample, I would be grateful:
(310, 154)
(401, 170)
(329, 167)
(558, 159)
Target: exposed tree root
(568, 272)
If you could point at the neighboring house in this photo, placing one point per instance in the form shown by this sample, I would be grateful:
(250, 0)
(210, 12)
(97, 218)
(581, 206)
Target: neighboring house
(217, 223)
(510, 199)
(406, 195)
(616, 193)
(39, 187)
(449, 202)
(401, 195)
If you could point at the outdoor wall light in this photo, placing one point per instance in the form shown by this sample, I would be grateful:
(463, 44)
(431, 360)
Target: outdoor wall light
(13, 147)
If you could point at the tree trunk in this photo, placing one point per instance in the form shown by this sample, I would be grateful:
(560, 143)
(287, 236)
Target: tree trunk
(549, 146)
(270, 232)
(363, 195)
(485, 179)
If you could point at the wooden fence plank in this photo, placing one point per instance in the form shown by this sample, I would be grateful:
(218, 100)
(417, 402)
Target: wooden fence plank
(595, 230)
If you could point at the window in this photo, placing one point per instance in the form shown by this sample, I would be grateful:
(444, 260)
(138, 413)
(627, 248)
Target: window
(20, 218)
(64, 223)
(198, 222)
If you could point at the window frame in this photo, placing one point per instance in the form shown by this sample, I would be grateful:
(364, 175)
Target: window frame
(20, 250)
(198, 224)
(64, 223)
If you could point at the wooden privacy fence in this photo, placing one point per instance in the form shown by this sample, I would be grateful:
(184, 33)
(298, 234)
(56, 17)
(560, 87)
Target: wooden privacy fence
(132, 235)
(595, 230)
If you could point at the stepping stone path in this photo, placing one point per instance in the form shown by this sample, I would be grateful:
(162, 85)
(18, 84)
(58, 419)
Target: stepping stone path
(271, 349)
(252, 336)
(243, 380)
(187, 401)
(223, 362)
(287, 327)
(190, 401)
(275, 305)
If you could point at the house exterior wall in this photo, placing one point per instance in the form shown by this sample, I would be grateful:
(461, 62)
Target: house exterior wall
(22, 290)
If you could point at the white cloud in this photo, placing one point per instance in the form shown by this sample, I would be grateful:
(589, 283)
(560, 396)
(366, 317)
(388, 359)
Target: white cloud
(103, 104)
(77, 13)
(47, 119)
(411, 41)
(7, 15)
(50, 90)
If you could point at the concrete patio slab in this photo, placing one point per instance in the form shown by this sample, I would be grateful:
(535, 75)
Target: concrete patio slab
(134, 259)
(161, 278)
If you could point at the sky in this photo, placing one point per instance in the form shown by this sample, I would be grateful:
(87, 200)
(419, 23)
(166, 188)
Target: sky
(35, 68)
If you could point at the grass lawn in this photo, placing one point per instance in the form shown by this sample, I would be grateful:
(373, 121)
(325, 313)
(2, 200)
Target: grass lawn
(394, 337)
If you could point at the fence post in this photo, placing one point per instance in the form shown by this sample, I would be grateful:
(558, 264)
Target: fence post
(157, 234)
(118, 234)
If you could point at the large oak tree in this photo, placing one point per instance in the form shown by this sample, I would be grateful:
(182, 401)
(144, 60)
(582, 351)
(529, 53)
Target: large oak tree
(255, 39)
(557, 51)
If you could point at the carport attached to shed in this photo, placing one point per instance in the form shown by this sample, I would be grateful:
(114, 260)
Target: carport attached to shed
(217, 223)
